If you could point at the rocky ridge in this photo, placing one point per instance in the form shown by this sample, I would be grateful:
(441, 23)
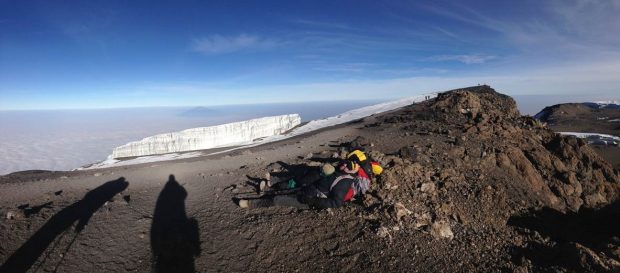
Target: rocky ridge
(466, 165)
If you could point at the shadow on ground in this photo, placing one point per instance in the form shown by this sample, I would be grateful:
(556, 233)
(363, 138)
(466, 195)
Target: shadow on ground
(175, 239)
(81, 211)
(573, 235)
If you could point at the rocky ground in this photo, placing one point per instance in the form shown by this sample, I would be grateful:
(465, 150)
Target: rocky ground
(469, 185)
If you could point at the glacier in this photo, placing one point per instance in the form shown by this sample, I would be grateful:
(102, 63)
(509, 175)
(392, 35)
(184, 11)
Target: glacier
(300, 130)
(202, 138)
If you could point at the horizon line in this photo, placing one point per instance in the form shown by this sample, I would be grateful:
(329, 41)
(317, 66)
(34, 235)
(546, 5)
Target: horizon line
(194, 106)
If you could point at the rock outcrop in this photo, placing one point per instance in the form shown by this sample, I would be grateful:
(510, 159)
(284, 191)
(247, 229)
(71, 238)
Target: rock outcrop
(466, 164)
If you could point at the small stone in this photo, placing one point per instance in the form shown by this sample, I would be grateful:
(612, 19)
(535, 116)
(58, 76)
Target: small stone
(97, 174)
(428, 187)
(308, 156)
(383, 232)
(422, 220)
(10, 215)
(441, 230)
(401, 211)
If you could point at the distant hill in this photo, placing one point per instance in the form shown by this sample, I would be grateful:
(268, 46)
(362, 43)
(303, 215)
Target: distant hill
(590, 117)
(198, 112)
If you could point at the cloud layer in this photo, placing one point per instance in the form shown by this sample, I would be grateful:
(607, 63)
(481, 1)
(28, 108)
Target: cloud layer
(218, 44)
(466, 59)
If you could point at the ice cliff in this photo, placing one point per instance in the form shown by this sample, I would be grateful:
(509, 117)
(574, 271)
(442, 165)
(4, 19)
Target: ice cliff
(230, 134)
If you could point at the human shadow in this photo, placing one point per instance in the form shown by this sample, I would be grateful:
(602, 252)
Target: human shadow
(81, 211)
(175, 239)
(593, 228)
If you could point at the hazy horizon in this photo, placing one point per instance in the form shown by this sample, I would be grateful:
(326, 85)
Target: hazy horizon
(527, 104)
(67, 139)
(74, 138)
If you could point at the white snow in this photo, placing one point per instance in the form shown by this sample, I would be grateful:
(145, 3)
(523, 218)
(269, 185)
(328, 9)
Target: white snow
(309, 127)
(596, 138)
(356, 114)
(110, 161)
(604, 103)
(608, 102)
(342, 118)
(202, 138)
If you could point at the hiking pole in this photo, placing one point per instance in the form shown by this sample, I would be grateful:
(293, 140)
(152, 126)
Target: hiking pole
(49, 252)
(66, 250)
(275, 192)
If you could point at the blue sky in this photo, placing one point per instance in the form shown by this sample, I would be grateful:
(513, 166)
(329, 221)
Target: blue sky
(103, 54)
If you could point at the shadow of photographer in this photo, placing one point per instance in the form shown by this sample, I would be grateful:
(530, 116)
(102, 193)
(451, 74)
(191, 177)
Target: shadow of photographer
(175, 238)
(81, 211)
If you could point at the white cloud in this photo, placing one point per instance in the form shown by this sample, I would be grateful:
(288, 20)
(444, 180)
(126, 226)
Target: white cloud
(465, 58)
(573, 28)
(579, 78)
(600, 77)
(218, 44)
